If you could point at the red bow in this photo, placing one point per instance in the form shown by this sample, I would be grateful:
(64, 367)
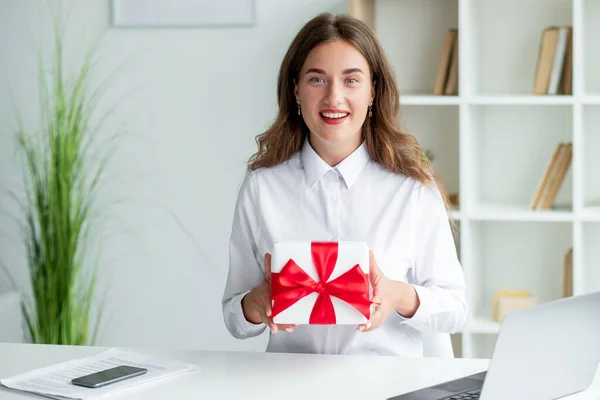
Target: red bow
(293, 283)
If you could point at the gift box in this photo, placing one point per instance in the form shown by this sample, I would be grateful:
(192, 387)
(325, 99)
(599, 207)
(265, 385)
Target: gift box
(320, 283)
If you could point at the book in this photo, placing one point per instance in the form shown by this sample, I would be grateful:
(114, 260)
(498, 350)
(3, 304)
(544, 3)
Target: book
(543, 183)
(445, 62)
(452, 83)
(553, 177)
(545, 61)
(554, 68)
(567, 76)
(564, 161)
(568, 274)
(558, 62)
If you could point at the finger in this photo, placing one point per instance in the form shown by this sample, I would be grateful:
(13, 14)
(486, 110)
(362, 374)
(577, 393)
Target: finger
(376, 300)
(269, 322)
(273, 326)
(364, 327)
(375, 321)
(268, 267)
(374, 270)
(289, 328)
(267, 305)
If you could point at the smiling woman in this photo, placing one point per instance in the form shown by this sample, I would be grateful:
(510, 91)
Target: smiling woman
(335, 166)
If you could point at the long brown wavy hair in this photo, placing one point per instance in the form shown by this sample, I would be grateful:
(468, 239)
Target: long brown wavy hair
(386, 142)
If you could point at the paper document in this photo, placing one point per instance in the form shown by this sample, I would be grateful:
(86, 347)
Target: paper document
(55, 381)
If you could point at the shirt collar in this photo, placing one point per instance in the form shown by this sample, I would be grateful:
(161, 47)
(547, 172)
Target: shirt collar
(350, 168)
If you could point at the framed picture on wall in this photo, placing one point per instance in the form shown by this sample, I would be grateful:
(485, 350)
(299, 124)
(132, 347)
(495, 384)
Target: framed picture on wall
(181, 13)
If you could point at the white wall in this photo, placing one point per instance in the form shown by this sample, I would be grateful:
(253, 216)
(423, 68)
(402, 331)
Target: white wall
(192, 102)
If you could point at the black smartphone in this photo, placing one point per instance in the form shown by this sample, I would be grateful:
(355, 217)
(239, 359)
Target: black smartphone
(108, 376)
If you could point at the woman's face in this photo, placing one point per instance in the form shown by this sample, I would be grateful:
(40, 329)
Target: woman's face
(334, 89)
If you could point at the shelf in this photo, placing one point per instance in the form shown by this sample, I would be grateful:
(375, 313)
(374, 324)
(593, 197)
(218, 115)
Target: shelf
(506, 38)
(590, 56)
(436, 129)
(520, 100)
(591, 161)
(405, 28)
(494, 141)
(593, 100)
(428, 100)
(590, 216)
(492, 99)
(457, 215)
(591, 257)
(509, 151)
(516, 256)
(516, 212)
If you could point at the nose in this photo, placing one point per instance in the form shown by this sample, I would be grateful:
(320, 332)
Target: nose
(335, 94)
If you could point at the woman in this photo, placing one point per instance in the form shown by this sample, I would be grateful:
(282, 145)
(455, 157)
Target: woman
(335, 166)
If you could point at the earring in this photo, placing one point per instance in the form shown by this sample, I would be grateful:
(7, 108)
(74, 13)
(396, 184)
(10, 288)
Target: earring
(298, 107)
(370, 110)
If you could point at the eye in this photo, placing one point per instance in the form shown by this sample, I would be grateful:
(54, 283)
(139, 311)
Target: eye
(316, 79)
(352, 80)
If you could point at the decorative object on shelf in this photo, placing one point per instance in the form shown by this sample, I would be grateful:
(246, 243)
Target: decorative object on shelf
(568, 273)
(447, 77)
(554, 68)
(506, 301)
(363, 10)
(592, 206)
(429, 156)
(64, 161)
(553, 177)
(182, 13)
(453, 198)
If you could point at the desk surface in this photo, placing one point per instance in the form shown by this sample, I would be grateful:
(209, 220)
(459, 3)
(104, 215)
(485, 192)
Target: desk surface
(238, 375)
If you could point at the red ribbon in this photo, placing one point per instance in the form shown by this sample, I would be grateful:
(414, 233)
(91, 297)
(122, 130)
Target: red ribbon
(293, 283)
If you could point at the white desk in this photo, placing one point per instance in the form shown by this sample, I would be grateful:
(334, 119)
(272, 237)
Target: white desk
(233, 375)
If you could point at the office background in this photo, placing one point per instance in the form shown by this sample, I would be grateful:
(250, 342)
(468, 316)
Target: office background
(191, 101)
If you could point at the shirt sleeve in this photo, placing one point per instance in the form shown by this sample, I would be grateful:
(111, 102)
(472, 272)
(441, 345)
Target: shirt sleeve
(245, 271)
(437, 277)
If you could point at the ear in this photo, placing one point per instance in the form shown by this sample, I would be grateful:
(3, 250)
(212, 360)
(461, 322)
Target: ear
(373, 91)
(295, 89)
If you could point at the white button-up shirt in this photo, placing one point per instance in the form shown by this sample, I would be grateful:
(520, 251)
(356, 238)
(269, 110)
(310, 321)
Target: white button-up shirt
(402, 220)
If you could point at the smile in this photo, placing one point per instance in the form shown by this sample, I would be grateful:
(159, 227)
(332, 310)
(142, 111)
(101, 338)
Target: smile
(334, 117)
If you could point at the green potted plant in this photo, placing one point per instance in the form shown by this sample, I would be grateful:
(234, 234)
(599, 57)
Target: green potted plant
(63, 168)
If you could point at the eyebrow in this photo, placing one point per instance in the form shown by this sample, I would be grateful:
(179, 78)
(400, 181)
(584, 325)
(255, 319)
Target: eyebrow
(345, 72)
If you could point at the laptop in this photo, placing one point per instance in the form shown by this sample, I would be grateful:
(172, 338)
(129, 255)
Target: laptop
(544, 352)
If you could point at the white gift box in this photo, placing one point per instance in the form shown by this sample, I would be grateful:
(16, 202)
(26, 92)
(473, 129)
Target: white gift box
(348, 261)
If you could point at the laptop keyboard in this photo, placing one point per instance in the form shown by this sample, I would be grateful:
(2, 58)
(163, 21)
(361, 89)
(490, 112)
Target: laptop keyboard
(468, 395)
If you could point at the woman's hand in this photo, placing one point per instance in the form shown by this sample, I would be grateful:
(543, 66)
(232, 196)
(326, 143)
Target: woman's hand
(389, 296)
(257, 303)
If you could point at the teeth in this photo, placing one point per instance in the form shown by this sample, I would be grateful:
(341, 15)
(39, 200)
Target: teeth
(334, 115)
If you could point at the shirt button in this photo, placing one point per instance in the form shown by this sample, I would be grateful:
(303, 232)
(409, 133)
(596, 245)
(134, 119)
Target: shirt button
(334, 199)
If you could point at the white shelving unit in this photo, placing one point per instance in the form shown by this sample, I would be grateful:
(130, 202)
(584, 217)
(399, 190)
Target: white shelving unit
(492, 141)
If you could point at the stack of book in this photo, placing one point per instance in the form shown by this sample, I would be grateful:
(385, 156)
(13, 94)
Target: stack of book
(554, 69)
(447, 78)
(553, 177)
